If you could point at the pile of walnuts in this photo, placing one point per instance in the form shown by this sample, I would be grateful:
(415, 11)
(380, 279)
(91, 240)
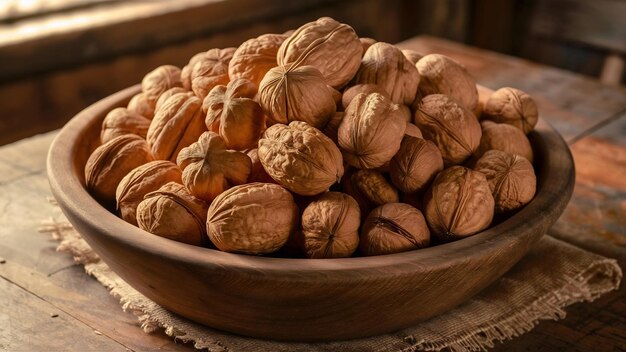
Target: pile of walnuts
(316, 144)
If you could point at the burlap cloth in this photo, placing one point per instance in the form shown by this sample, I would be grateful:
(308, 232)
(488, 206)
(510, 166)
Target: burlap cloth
(551, 277)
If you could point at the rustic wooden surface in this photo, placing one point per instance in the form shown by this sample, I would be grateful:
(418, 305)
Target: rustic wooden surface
(62, 308)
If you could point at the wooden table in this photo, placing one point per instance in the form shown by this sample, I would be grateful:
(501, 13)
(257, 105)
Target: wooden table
(48, 303)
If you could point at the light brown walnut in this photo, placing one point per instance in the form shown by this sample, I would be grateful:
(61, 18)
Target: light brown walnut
(374, 187)
(355, 90)
(257, 172)
(255, 218)
(173, 213)
(415, 165)
(231, 112)
(209, 168)
(512, 106)
(207, 70)
(504, 137)
(121, 121)
(371, 131)
(443, 75)
(168, 93)
(394, 228)
(412, 55)
(159, 80)
(139, 104)
(458, 204)
(301, 158)
(330, 226)
(366, 43)
(452, 127)
(254, 57)
(331, 47)
(140, 181)
(385, 65)
(484, 94)
(511, 179)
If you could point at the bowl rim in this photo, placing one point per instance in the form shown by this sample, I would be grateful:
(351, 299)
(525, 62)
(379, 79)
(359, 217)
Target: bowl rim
(553, 193)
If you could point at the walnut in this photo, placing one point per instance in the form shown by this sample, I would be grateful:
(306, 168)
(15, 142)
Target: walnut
(504, 137)
(121, 121)
(231, 112)
(168, 93)
(458, 204)
(257, 172)
(110, 162)
(355, 90)
(336, 97)
(385, 65)
(157, 81)
(207, 70)
(512, 106)
(330, 226)
(415, 164)
(331, 47)
(209, 169)
(255, 57)
(483, 96)
(394, 228)
(173, 213)
(289, 93)
(366, 43)
(371, 131)
(255, 218)
(301, 158)
(177, 124)
(406, 112)
(412, 55)
(452, 127)
(443, 75)
(511, 179)
(141, 181)
(374, 187)
(139, 104)
(332, 126)
(412, 130)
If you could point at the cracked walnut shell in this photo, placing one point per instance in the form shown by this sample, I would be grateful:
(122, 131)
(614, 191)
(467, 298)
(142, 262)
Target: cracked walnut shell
(416, 163)
(443, 75)
(255, 218)
(330, 226)
(385, 65)
(231, 112)
(290, 93)
(394, 228)
(121, 121)
(110, 162)
(209, 168)
(371, 131)
(255, 57)
(452, 127)
(331, 47)
(141, 181)
(511, 179)
(173, 213)
(512, 106)
(458, 204)
(301, 158)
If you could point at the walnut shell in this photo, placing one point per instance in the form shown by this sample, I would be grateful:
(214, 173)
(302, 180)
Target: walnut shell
(110, 162)
(168, 93)
(141, 181)
(331, 47)
(255, 57)
(121, 121)
(504, 137)
(385, 65)
(257, 172)
(139, 104)
(394, 228)
(332, 126)
(330, 226)
(355, 90)
(177, 124)
(512, 106)
(415, 165)
(172, 212)
(374, 187)
(371, 131)
(452, 127)
(255, 218)
(207, 70)
(301, 158)
(366, 43)
(484, 94)
(231, 112)
(458, 204)
(412, 55)
(443, 75)
(157, 81)
(289, 93)
(413, 131)
(511, 179)
(209, 169)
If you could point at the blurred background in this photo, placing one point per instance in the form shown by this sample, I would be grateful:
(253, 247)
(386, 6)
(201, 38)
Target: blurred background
(58, 56)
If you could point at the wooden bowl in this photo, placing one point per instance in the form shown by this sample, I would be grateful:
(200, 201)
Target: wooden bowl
(302, 299)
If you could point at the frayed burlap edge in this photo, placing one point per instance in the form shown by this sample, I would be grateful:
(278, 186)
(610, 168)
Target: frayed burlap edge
(153, 317)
